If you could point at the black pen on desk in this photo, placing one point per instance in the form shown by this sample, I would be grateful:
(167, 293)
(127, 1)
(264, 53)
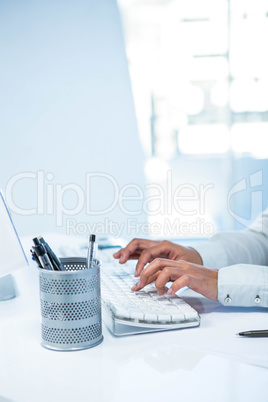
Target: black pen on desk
(42, 255)
(91, 254)
(260, 333)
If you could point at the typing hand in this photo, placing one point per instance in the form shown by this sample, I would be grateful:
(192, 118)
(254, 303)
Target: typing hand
(147, 250)
(198, 278)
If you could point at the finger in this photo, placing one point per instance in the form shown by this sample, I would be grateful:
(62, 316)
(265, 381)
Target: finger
(166, 275)
(162, 249)
(146, 256)
(117, 254)
(152, 270)
(139, 286)
(134, 256)
(135, 247)
(206, 286)
(178, 284)
(194, 272)
(159, 264)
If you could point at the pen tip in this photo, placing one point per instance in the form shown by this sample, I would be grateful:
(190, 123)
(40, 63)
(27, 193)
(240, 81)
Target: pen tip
(92, 237)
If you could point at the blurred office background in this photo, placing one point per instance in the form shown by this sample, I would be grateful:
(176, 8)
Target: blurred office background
(143, 92)
(199, 71)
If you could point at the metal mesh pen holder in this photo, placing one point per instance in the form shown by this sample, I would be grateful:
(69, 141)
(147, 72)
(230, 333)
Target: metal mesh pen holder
(71, 306)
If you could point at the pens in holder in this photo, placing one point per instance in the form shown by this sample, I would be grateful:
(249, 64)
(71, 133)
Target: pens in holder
(41, 253)
(35, 258)
(92, 249)
(52, 256)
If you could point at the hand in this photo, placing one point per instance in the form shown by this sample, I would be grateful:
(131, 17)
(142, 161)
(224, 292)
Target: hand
(198, 278)
(147, 250)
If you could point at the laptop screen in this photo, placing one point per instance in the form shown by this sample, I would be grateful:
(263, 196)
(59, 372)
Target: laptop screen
(12, 255)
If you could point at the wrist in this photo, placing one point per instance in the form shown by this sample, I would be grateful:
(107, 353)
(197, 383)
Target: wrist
(195, 257)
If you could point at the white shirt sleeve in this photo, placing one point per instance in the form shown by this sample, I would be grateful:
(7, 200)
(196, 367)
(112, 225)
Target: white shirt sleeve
(243, 285)
(242, 258)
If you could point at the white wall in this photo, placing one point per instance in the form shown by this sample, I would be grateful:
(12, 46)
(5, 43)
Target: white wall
(66, 108)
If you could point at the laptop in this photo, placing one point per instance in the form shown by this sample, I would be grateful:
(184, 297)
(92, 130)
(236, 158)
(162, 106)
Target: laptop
(12, 254)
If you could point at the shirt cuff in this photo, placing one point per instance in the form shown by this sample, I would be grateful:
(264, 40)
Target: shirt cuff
(243, 285)
(212, 253)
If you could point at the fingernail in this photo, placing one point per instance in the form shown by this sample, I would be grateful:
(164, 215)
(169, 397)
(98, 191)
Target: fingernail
(170, 291)
(138, 285)
(120, 259)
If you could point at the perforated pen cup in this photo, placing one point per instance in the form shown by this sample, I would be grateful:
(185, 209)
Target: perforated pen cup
(71, 306)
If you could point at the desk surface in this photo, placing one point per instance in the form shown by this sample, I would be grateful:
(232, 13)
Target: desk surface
(208, 363)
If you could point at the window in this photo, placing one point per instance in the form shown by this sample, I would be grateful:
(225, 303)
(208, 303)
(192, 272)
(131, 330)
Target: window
(193, 65)
(199, 72)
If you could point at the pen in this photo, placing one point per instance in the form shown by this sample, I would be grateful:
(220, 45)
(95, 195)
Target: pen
(42, 255)
(91, 254)
(255, 334)
(35, 258)
(52, 256)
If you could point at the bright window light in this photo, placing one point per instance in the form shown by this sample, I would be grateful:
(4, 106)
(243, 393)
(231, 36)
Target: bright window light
(209, 68)
(205, 37)
(163, 127)
(183, 71)
(192, 99)
(166, 148)
(204, 139)
(156, 169)
(247, 55)
(249, 95)
(220, 94)
(192, 9)
(250, 138)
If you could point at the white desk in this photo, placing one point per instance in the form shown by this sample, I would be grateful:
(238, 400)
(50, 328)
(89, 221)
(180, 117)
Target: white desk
(208, 363)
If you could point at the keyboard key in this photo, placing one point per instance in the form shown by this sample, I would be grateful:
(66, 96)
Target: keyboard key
(190, 313)
(163, 317)
(136, 315)
(150, 316)
(121, 312)
(177, 316)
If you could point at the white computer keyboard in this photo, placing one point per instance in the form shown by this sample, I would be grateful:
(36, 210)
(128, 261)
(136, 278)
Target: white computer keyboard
(126, 312)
